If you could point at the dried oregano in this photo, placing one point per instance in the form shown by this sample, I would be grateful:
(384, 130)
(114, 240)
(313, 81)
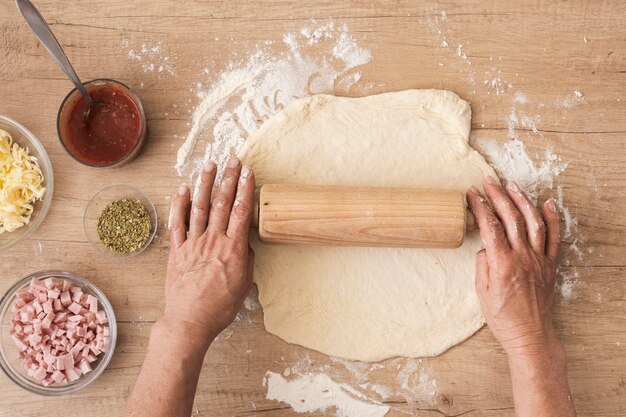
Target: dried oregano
(124, 225)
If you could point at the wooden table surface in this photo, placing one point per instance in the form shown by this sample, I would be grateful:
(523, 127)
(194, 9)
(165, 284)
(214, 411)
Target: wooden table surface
(547, 50)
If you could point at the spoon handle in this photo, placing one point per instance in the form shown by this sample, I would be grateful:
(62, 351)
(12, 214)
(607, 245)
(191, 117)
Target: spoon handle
(41, 29)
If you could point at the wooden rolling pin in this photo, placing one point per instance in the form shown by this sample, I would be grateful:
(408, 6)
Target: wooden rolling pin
(362, 216)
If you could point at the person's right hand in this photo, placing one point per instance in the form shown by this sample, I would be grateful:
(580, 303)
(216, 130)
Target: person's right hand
(515, 273)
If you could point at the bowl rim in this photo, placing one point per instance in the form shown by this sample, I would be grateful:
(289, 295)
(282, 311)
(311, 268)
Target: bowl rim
(55, 391)
(49, 181)
(151, 209)
(142, 131)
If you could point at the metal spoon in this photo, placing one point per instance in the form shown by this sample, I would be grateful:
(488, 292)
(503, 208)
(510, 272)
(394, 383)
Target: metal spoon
(41, 29)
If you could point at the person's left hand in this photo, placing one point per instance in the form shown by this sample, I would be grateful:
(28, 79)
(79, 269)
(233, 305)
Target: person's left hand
(209, 270)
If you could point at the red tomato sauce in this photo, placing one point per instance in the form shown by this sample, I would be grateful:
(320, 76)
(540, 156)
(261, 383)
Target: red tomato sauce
(110, 131)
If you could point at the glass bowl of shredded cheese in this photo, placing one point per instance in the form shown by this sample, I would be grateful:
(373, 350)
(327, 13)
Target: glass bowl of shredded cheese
(26, 183)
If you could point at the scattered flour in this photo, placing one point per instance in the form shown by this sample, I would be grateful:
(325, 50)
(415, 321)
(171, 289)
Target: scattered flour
(416, 384)
(317, 392)
(249, 92)
(491, 80)
(567, 283)
(151, 57)
(359, 370)
(571, 100)
(513, 163)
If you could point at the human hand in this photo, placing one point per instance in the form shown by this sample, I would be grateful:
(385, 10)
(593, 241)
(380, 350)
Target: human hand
(516, 272)
(209, 270)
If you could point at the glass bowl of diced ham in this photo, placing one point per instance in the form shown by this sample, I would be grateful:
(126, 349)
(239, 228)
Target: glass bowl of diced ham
(58, 333)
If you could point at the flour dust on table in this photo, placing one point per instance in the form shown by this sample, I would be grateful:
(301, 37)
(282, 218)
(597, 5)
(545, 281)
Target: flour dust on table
(369, 304)
(320, 58)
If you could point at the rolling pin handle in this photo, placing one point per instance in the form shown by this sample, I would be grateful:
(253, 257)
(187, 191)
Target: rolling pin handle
(470, 222)
(256, 212)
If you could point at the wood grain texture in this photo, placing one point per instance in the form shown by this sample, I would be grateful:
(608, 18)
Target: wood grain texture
(361, 216)
(537, 46)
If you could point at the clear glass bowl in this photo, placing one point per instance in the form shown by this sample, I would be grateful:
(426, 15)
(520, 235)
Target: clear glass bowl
(99, 202)
(9, 360)
(25, 139)
(63, 126)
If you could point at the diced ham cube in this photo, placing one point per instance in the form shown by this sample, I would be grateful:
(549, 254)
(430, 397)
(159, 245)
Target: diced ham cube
(91, 358)
(85, 366)
(50, 283)
(101, 317)
(46, 381)
(92, 346)
(77, 296)
(93, 303)
(69, 361)
(71, 375)
(38, 307)
(58, 306)
(48, 307)
(53, 294)
(66, 298)
(74, 308)
(65, 285)
(58, 376)
(61, 316)
(49, 359)
(47, 321)
(60, 365)
(34, 339)
(75, 353)
(38, 284)
(40, 373)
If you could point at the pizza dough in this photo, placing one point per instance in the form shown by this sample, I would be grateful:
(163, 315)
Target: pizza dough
(369, 303)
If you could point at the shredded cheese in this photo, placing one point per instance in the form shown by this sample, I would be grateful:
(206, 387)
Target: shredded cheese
(20, 184)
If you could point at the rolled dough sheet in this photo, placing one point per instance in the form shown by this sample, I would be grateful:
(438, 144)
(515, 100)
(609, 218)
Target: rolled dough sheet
(369, 303)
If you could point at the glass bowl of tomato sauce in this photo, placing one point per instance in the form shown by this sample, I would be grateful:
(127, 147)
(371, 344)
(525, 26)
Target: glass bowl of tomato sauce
(109, 134)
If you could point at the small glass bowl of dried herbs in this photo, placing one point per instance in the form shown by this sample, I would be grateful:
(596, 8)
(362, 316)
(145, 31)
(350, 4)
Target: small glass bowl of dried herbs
(120, 221)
